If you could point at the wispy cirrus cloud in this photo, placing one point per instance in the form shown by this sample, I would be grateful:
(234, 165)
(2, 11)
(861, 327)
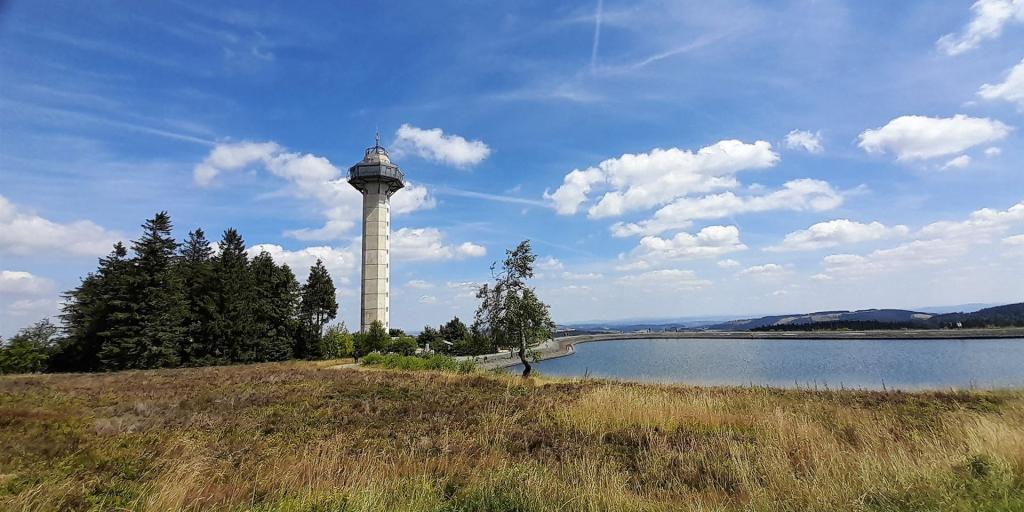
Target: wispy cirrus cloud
(989, 18)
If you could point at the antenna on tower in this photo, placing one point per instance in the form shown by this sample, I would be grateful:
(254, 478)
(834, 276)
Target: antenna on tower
(378, 138)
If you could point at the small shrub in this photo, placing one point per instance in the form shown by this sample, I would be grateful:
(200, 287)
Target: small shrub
(336, 343)
(435, 362)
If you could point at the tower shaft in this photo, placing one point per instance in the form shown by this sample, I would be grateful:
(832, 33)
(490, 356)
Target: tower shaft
(375, 302)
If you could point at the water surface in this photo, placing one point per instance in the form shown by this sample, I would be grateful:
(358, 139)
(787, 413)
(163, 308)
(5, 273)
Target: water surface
(870, 364)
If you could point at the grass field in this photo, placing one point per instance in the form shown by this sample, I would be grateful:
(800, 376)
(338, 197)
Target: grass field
(298, 436)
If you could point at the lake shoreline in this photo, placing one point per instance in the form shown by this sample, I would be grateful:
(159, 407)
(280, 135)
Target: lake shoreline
(566, 343)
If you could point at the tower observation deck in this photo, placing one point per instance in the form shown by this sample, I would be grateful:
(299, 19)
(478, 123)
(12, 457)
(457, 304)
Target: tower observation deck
(377, 178)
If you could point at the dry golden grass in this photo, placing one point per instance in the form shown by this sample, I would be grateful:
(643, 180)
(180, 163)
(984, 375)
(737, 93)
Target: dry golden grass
(299, 436)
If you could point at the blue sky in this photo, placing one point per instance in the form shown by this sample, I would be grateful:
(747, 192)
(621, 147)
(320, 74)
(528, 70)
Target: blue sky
(667, 159)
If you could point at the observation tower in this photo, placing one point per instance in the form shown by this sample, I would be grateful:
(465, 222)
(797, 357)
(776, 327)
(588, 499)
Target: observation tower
(377, 179)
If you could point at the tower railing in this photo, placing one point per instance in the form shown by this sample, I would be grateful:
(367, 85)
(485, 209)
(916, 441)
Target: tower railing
(375, 171)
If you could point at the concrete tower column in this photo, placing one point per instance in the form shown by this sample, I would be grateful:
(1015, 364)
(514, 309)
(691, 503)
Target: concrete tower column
(376, 256)
(377, 178)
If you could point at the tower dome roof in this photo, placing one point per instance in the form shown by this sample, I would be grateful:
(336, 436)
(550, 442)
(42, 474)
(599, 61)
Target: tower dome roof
(376, 154)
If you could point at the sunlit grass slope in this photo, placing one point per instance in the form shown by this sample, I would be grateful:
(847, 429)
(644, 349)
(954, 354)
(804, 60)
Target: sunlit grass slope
(296, 436)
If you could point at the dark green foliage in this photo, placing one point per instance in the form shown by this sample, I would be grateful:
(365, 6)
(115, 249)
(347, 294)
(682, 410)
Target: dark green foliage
(93, 313)
(319, 305)
(196, 267)
(1010, 315)
(150, 332)
(337, 342)
(454, 331)
(404, 345)
(29, 351)
(395, 332)
(375, 339)
(233, 322)
(274, 300)
(428, 336)
(163, 308)
(461, 340)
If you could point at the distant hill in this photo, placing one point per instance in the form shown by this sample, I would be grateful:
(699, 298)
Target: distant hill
(1010, 314)
(998, 316)
(958, 308)
(863, 315)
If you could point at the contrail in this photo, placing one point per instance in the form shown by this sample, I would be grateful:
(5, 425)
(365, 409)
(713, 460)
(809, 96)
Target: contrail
(490, 197)
(597, 34)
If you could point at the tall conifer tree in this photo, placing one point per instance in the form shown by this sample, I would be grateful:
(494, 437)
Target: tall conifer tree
(233, 323)
(198, 280)
(91, 313)
(319, 306)
(154, 331)
(274, 304)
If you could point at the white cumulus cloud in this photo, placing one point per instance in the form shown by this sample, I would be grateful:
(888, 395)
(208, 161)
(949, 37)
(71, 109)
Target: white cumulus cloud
(14, 282)
(936, 243)
(415, 244)
(990, 16)
(340, 262)
(768, 271)
(645, 180)
(805, 140)
(23, 233)
(921, 137)
(1011, 89)
(709, 242)
(434, 144)
(837, 232)
(796, 195)
(309, 177)
(549, 263)
(674, 279)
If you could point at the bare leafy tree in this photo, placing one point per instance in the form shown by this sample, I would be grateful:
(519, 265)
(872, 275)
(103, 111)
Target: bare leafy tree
(510, 311)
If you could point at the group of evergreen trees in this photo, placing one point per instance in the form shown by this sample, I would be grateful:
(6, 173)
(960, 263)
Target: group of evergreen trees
(168, 304)
(461, 340)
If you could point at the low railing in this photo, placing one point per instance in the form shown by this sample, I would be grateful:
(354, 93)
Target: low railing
(376, 171)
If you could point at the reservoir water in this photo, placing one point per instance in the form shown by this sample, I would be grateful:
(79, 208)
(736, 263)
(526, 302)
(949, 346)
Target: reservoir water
(867, 364)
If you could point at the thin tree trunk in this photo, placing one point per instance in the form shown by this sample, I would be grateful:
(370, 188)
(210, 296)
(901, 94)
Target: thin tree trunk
(522, 357)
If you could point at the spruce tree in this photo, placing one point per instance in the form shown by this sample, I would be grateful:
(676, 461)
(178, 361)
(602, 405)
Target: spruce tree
(274, 307)
(153, 333)
(319, 306)
(232, 328)
(428, 336)
(91, 313)
(195, 266)
(454, 330)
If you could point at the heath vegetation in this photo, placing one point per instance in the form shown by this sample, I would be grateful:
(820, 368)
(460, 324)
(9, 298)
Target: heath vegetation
(301, 436)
